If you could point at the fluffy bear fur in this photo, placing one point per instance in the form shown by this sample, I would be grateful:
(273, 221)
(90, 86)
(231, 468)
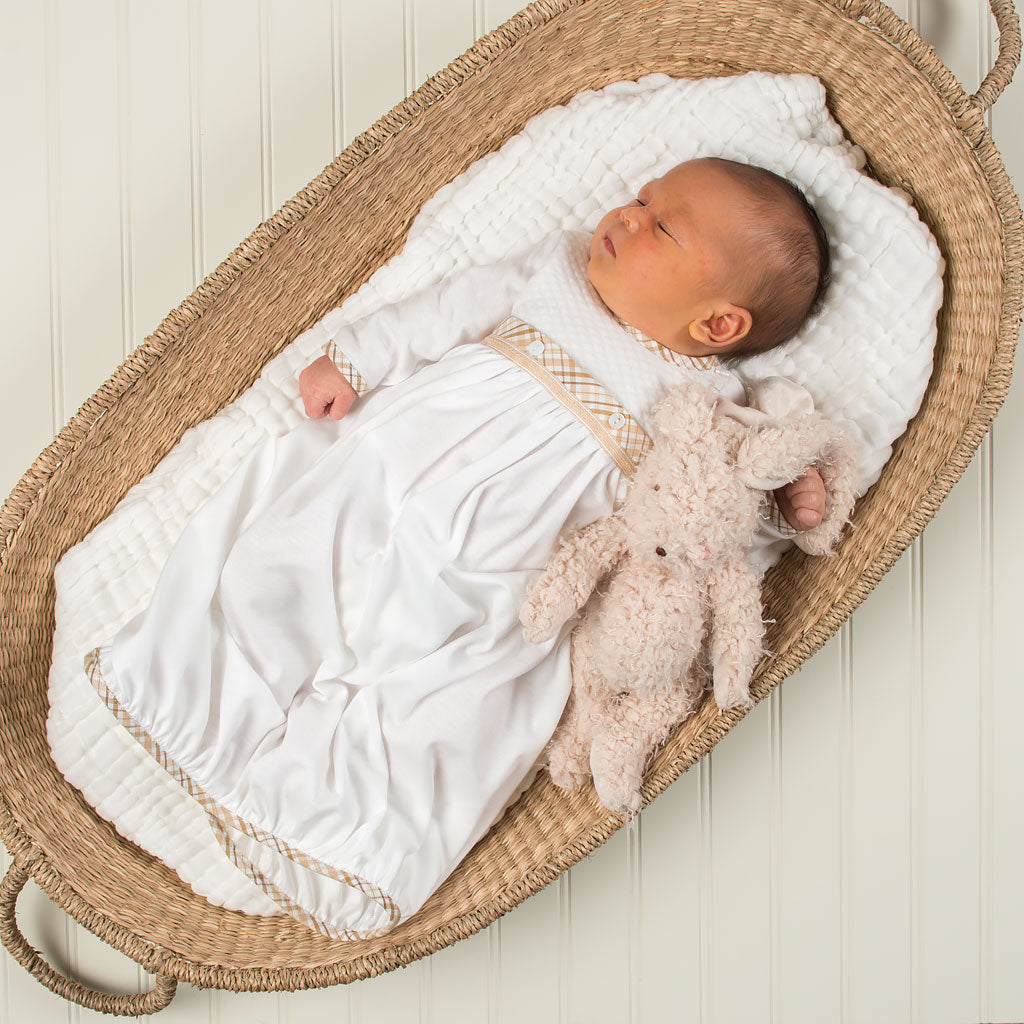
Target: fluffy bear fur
(679, 584)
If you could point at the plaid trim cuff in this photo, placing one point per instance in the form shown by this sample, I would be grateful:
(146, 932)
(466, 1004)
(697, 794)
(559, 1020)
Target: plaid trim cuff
(340, 360)
(774, 516)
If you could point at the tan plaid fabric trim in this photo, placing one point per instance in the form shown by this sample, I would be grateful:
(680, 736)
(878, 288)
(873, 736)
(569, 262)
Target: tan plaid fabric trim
(620, 434)
(777, 519)
(221, 819)
(340, 360)
(668, 354)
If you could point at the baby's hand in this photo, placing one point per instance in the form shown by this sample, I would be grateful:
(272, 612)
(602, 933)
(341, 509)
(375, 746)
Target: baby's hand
(802, 502)
(325, 390)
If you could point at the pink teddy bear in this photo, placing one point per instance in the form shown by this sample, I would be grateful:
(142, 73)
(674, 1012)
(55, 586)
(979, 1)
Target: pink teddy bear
(682, 583)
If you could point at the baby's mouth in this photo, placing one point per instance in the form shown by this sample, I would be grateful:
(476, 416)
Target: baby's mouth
(608, 244)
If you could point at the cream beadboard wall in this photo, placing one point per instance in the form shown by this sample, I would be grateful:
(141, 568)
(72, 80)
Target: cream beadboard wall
(850, 852)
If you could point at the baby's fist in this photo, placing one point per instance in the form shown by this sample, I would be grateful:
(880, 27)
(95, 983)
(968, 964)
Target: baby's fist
(325, 390)
(802, 502)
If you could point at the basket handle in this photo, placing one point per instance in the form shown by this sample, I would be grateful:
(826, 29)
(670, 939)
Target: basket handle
(882, 17)
(1007, 59)
(17, 945)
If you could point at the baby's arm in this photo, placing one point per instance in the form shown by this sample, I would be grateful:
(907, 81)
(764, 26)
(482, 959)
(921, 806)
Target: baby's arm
(392, 343)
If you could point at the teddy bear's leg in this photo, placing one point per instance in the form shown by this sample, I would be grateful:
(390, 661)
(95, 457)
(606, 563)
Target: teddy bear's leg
(737, 633)
(626, 738)
(569, 748)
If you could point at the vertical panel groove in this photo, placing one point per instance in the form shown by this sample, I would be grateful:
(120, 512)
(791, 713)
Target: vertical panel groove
(494, 973)
(426, 989)
(123, 17)
(409, 45)
(986, 638)
(775, 861)
(266, 127)
(355, 1002)
(916, 770)
(986, 739)
(704, 897)
(337, 71)
(195, 138)
(53, 215)
(564, 944)
(916, 725)
(74, 1011)
(845, 815)
(634, 977)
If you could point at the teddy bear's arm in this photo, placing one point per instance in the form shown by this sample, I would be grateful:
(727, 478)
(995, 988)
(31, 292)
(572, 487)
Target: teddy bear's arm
(737, 631)
(570, 577)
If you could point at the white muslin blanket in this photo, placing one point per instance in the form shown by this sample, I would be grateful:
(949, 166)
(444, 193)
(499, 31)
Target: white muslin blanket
(866, 359)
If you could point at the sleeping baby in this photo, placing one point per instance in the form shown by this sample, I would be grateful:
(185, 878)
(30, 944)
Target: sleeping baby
(332, 658)
(715, 259)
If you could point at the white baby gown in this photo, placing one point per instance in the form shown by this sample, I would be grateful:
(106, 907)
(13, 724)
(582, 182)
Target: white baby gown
(332, 660)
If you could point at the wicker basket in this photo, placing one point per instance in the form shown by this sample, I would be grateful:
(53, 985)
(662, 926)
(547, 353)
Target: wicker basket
(934, 144)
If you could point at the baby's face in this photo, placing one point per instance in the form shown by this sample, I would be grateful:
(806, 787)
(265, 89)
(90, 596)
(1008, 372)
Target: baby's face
(665, 262)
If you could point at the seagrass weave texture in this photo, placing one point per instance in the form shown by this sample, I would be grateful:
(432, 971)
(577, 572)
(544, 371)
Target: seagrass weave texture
(934, 144)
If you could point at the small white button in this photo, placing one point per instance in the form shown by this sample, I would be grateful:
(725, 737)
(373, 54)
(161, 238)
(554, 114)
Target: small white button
(536, 349)
(616, 420)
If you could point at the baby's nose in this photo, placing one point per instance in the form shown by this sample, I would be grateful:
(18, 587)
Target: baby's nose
(629, 216)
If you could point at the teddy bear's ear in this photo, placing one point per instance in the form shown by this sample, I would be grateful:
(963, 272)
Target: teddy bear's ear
(684, 414)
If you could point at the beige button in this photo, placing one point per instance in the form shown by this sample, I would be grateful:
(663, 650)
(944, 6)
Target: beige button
(616, 421)
(536, 349)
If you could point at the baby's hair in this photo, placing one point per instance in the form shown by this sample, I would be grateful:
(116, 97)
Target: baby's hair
(789, 267)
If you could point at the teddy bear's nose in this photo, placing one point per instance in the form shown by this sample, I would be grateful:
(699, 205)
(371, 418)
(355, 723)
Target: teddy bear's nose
(660, 551)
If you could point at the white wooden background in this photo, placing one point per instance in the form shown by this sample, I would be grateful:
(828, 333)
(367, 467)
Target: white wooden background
(850, 853)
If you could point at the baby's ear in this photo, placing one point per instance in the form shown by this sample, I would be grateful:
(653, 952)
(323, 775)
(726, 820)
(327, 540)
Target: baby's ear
(684, 414)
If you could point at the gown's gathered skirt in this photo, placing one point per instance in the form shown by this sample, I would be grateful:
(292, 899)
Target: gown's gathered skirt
(333, 650)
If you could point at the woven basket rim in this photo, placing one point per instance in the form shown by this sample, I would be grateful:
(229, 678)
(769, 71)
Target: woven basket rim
(968, 119)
